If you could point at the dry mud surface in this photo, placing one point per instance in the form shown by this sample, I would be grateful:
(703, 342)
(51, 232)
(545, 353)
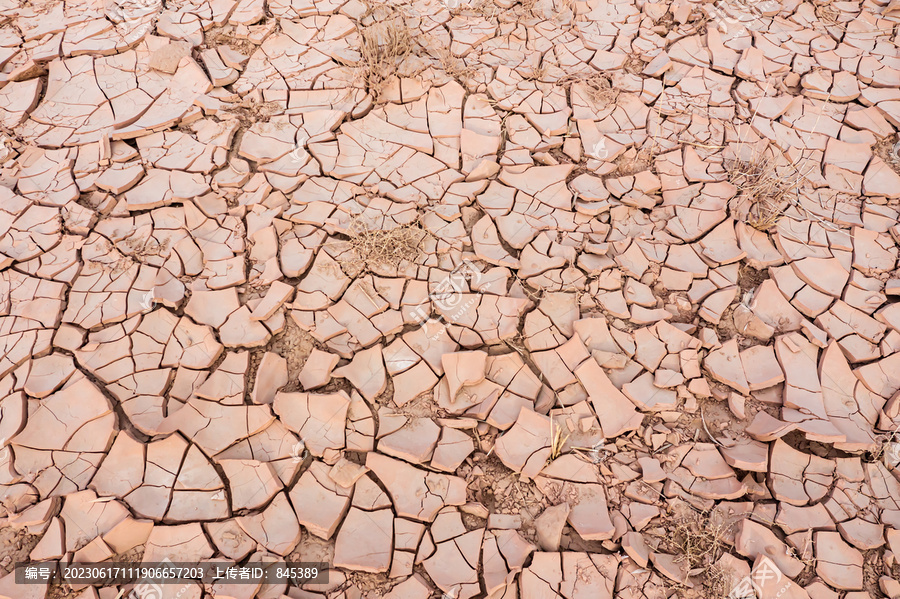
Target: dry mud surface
(554, 298)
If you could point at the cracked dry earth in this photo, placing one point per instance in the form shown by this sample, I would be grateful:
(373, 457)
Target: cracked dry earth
(565, 298)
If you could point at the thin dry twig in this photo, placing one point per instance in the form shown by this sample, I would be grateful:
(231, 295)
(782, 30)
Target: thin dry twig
(706, 428)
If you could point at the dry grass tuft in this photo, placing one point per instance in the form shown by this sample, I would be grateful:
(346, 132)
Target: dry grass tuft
(765, 186)
(887, 449)
(383, 47)
(375, 248)
(634, 161)
(719, 581)
(829, 15)
(226, 36)
(701, 539)
(454, 66)
(537, 72)
(250, 111)
(634, 64)
(484, 8)
(557, 441)
(599, 87)
(888, 149)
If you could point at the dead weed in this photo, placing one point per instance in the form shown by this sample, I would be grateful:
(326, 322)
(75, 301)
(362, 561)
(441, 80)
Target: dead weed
(888, 149)
(634, 64)
(483, 8)
(634, 161)
(537, 72)
(599, 87)
(454, 66)
(252, 111)
(887, 449)
(557, 441)
(225, 36)
(718, 581)
(558, 10)
(766, 183)
(372, 248)
(384, 46)
(701, 539)
(830, 15)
